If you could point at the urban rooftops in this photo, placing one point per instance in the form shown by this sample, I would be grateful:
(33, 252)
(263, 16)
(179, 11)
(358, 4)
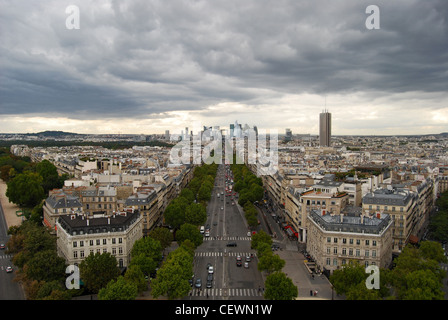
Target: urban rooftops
(374, 224)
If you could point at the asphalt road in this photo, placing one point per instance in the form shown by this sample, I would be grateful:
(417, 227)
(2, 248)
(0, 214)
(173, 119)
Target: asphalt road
(9, 289)
(227, 224)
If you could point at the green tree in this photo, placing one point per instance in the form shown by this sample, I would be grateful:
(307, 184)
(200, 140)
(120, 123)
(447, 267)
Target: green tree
(270, 262)
(423, 285)
(172, 277)
(195, 214)
(49, 174)
(260, 237)
(175, 212)
(52, 290)
(350, 275)
(25, 189)
(163, 235)
(280, 287)
(146, 253)
(187, 194)
(135, 275)
(190, 232)
(97, 270)
(45, 266)
(120, 289)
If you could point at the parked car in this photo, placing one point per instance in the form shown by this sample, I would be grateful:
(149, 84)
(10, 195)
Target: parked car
(210, 269)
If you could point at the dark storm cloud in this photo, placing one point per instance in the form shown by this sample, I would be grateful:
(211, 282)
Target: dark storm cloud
(134, 58)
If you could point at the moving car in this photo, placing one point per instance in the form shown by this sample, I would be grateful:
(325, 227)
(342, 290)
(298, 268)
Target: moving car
(238, 261)
(8, 269)
(198, 283)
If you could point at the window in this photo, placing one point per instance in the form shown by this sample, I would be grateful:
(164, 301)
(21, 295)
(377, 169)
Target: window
(344, 240)
(82, 253)
(366, 253)
(344, 251)
(75, 254)
(374, 243)
(335, 250)
(104, 241)
(350, 251)
(335, 240)
(91, 242)
(113, 240)
(373, 253)
(351, 241)
(120, 240)
(358, 252)
(358, 242)
(328, 239)
(328, 261)
(98, 242)
(81, 243)
(335, 261)
(120, 250)
(328, 250)
(367, 242)
(114, 251)
(75, 244)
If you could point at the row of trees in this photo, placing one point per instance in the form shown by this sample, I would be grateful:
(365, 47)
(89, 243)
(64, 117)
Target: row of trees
(185, 214)
(438, 225)
(28, 183)
(278, 285)
(250, 189)
(416, 275)
(190, 206)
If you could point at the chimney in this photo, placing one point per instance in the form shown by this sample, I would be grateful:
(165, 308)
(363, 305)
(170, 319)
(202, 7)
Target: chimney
(87, 221)
(342, 217)
(362, 219)
(108, 220)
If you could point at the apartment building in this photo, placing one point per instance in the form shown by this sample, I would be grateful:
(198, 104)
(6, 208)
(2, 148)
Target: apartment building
(145, 200)
(334, 240)
(402, 206)
(79, 235)
(324, 202)
(99, 200)
(59, 203)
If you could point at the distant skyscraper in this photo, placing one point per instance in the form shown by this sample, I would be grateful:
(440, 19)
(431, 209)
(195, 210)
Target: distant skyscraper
(325, 129)
(288, 135)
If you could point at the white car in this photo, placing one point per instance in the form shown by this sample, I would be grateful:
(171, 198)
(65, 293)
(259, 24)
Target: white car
(8, 269)
(210, 269)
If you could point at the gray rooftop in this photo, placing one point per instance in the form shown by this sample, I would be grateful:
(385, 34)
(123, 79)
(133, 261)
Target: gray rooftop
(360, 224)
(397, 197)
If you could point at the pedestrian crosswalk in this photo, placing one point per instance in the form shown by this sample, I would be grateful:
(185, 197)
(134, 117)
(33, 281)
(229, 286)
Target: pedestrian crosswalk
(227, 238)
(231, 292)
(6, 256)
(220, 254)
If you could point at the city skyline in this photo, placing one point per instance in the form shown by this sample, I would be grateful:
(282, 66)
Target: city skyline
(146, 67)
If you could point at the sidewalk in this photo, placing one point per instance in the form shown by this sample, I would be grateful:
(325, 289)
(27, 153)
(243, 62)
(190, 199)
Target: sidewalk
(9, 209)
(295, 269)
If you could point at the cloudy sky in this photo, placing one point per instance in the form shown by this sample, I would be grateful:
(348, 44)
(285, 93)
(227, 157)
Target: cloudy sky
(149, 66)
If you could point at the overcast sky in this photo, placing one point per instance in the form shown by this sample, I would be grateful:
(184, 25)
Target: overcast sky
(149, 66)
